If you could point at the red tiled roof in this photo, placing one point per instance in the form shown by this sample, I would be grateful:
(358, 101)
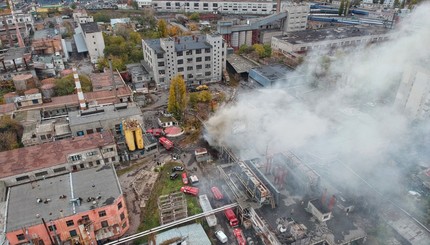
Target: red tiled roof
(48, 81)
(23, 160)
(10, 95)
(6, 108)
(31, 91)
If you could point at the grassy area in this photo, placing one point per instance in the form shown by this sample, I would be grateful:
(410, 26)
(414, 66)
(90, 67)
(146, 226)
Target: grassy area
(128, 169)
(164, 186)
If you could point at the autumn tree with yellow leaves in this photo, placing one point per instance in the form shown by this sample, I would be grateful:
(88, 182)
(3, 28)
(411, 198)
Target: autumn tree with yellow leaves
(177, 97)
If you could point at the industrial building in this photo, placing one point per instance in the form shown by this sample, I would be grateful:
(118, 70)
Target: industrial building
(413, 95)
(189, 234)
(199, 59)
(38, 162)
(103, 118)
(141, 79)
(84, 207)
(89, 39)
(330, 38)
(291, 17)
(267, 76)
(106, 81)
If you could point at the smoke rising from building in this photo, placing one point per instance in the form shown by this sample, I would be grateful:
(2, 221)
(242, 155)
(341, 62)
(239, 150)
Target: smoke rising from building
(337, 108)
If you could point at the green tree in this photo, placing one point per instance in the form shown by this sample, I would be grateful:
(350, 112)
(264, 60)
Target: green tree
(396, 3)
(341, 7)
(267, 50)
(162, 28)
(66, 85)
(205, 96)
(193, 99)
(243, 49)
(177, 97)
(117, 63)
(73, 6)
(195, 16)
(101, 17)
(135, 5)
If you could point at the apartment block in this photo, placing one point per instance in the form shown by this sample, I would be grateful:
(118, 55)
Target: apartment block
(200, 59)
(84, 207)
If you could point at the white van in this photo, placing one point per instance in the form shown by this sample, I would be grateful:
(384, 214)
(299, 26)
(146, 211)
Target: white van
(221, 236)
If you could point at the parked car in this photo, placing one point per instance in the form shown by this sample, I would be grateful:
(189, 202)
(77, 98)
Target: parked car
(174, 176)
(177, 168)
(184, 178)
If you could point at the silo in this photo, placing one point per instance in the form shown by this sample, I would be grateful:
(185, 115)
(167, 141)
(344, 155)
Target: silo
(47, 90)
(24, 82)
(48, 81)
(129, 135)
(235, 39)
(139, 138)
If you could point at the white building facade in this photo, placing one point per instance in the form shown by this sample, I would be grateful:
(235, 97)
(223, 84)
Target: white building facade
(297, 17)
(224, 7)
(144, 3)
(413, 95)
(199, 59)
(94, 40)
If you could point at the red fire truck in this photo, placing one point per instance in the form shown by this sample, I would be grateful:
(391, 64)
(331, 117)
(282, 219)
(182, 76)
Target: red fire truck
(239, 236)
(190, 190)
(231, 217)
(217, 193)
(166, 143)
(184, 178)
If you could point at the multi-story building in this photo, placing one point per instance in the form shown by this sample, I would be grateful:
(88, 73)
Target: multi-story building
(213, 6)
(144, 3)
(83, 207)
(94, 44)
(297, 16)
(200, 59)
(413, 95)
(25, 24)
(304, 41)
(38, 162)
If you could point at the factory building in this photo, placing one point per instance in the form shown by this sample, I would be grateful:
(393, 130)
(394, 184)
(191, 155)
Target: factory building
(292, 17)
(89, 39)
(199, 59)
(38, 162)
(330, 38)
(84, 207)
(267, 76)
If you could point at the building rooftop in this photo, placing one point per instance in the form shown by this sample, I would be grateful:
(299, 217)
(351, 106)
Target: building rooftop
(308, 36)
(192, 234)
(240, 64)
(90, 27)
(102, 113)
(181, 43)
(23, 160)
(24, 210)
(7, 108)
(103, 80)
(164, 119)
(272, 73)
(81, 46)
(45, 33)
(15, 53)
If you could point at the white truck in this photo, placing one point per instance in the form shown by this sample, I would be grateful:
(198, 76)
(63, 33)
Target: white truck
(206, 206)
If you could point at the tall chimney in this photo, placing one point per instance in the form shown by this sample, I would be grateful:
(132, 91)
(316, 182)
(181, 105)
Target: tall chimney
(323, 197)
(278, 6)
(332, 202)
(113, 80)
(81, 98)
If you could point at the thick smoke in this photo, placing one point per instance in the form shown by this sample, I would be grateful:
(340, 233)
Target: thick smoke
(336, 107)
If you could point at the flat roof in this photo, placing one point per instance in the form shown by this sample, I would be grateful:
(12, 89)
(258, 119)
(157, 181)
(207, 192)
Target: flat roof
(308, 36)
(23, 160)
(102, 80)
(90, 27)
(192, 234)
(240, 64)
(101, 114)
(273, 72)
(45, 33)
(24, 210)
(181, 43)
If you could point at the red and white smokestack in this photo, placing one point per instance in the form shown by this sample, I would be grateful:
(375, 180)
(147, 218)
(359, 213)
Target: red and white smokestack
(332, 202)
(81, 97)
(323, 197)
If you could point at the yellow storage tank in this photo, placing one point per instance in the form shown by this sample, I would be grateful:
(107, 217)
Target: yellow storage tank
(129, 136)
(139, 138)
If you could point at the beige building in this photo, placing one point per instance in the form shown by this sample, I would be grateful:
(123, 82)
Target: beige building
(89, 39)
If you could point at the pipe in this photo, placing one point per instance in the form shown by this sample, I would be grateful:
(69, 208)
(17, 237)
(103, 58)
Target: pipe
(47, 231)
(14, 64)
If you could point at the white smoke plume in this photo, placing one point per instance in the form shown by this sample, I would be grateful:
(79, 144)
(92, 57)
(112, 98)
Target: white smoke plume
(347, 113)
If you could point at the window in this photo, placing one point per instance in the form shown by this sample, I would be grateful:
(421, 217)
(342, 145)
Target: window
(104, 223)
(70, 223)
(75, 158)
(90, 164)
(43, 137)
(207, 66)
(207, 58)
(180, 69)
(180, 53)
(167, 4)
(102, 213)
(122, 216)
(90, 131)
(113, 159)
(205, 5)
(35, 101)
(160, 56)
(119, 205)
(189, 60)
(86, 217)
(80, 133)
(56, 170)
(195, 5)
(198, 51)
(198, 67)
(108, 149)
(20, 237)
(98, 162)
(25, 177)
(207, 50)
(81, 165)
(208, 73)
(161, 63)
(52, 228)
(40, 174)
(180, 62)
(189, 68)
(177, 4)
(199, 59)
(99, 130)
(73, 233)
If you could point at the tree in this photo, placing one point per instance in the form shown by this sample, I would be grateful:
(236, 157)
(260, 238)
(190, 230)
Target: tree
(259, 49)
(135, 5)
(396, 3)
(173, 31)
(177, 97)
(195, 16)
(73, 6)
(162, 28)
(243, 49)
(267, 50)
(346, 10)
(66, 85)
(101, 17)
(381, 1)
(205, 96)
(341, 7)
(10, 133)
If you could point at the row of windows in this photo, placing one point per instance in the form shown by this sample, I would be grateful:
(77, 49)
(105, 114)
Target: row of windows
(215, 5)
(41, 174)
